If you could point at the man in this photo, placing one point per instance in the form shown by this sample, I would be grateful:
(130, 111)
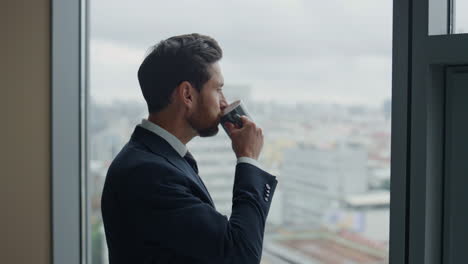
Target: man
(155, 206)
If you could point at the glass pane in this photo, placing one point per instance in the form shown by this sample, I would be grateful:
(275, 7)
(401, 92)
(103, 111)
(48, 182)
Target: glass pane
(438, 21)
(461, 16)
(315, 75)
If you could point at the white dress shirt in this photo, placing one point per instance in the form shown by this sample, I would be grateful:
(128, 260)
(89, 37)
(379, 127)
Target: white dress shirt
(178, 145)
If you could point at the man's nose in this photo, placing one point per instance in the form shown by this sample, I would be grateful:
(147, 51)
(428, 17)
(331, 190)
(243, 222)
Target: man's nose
(223, 104)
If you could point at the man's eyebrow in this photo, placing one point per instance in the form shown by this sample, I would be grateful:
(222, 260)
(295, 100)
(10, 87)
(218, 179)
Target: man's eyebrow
(220, 84)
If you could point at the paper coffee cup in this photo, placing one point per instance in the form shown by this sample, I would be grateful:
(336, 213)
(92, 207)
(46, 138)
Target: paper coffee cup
(232, 113)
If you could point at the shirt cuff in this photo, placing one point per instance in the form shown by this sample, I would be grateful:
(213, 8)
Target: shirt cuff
(250, 161)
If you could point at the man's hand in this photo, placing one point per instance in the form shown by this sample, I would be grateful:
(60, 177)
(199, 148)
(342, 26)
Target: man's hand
(246, 141)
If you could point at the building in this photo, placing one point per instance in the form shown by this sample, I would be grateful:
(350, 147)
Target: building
(316, 179)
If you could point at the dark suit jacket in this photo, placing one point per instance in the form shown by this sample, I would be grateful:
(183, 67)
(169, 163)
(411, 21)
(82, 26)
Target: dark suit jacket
(156, 211)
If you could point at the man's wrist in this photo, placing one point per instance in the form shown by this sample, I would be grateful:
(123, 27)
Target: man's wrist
(247, 155)
(249, 160)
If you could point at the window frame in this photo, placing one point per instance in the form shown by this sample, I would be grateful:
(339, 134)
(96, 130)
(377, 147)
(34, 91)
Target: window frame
(417, 167)
(401, 106)
(69, 225)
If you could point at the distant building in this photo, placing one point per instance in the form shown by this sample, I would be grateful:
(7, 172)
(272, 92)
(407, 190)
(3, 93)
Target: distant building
(373, 211)
(312, 246)
(316, 179)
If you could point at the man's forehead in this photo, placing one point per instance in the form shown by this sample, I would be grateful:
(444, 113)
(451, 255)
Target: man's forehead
(216, 75)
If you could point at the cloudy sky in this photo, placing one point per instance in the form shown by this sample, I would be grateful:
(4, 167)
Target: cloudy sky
(336, 51)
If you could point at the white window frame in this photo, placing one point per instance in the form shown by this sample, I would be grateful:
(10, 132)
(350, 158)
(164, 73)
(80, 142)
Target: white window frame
(68, 132)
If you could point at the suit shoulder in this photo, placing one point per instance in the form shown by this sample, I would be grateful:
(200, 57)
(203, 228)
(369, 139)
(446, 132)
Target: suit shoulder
(133, 155)
(135, 161)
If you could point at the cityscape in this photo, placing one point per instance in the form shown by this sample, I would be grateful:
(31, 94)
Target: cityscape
(332, 164)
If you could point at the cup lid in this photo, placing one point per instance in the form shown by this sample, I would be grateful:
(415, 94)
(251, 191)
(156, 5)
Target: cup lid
(232, 106)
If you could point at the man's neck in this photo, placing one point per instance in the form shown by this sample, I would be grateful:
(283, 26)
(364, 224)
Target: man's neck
(176, 126)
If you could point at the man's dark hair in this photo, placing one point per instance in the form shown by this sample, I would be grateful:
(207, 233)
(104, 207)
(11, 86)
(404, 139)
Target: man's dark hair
(172, 61)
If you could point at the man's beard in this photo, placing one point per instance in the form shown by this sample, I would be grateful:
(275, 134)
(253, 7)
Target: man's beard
(198, 122)
(208, 132)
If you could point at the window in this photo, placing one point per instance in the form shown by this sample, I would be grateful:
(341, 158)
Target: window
(316, 76)
(461, 18)
(447, 17)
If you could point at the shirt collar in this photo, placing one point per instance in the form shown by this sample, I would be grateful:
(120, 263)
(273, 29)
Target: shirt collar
(171, 139)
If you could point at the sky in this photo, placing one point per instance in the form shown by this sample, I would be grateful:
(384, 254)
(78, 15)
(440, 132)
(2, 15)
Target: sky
(289, 51)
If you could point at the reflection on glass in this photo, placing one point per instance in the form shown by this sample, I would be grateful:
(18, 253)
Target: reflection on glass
(461, 16)
(320, 93)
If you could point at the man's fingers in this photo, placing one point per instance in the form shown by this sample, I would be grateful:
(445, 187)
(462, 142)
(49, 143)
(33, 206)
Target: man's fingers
(245, 120)
(229, 126)
(259, 131)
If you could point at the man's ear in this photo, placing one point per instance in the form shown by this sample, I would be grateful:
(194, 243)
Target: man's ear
(185, 93)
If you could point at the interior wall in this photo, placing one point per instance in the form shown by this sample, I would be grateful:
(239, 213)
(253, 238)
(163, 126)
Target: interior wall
(25, 221)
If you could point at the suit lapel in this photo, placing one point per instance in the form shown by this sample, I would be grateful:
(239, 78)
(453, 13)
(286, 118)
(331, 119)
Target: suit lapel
(182, 164)
(161, 147)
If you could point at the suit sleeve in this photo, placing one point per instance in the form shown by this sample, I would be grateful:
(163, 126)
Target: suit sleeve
(175, 218)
